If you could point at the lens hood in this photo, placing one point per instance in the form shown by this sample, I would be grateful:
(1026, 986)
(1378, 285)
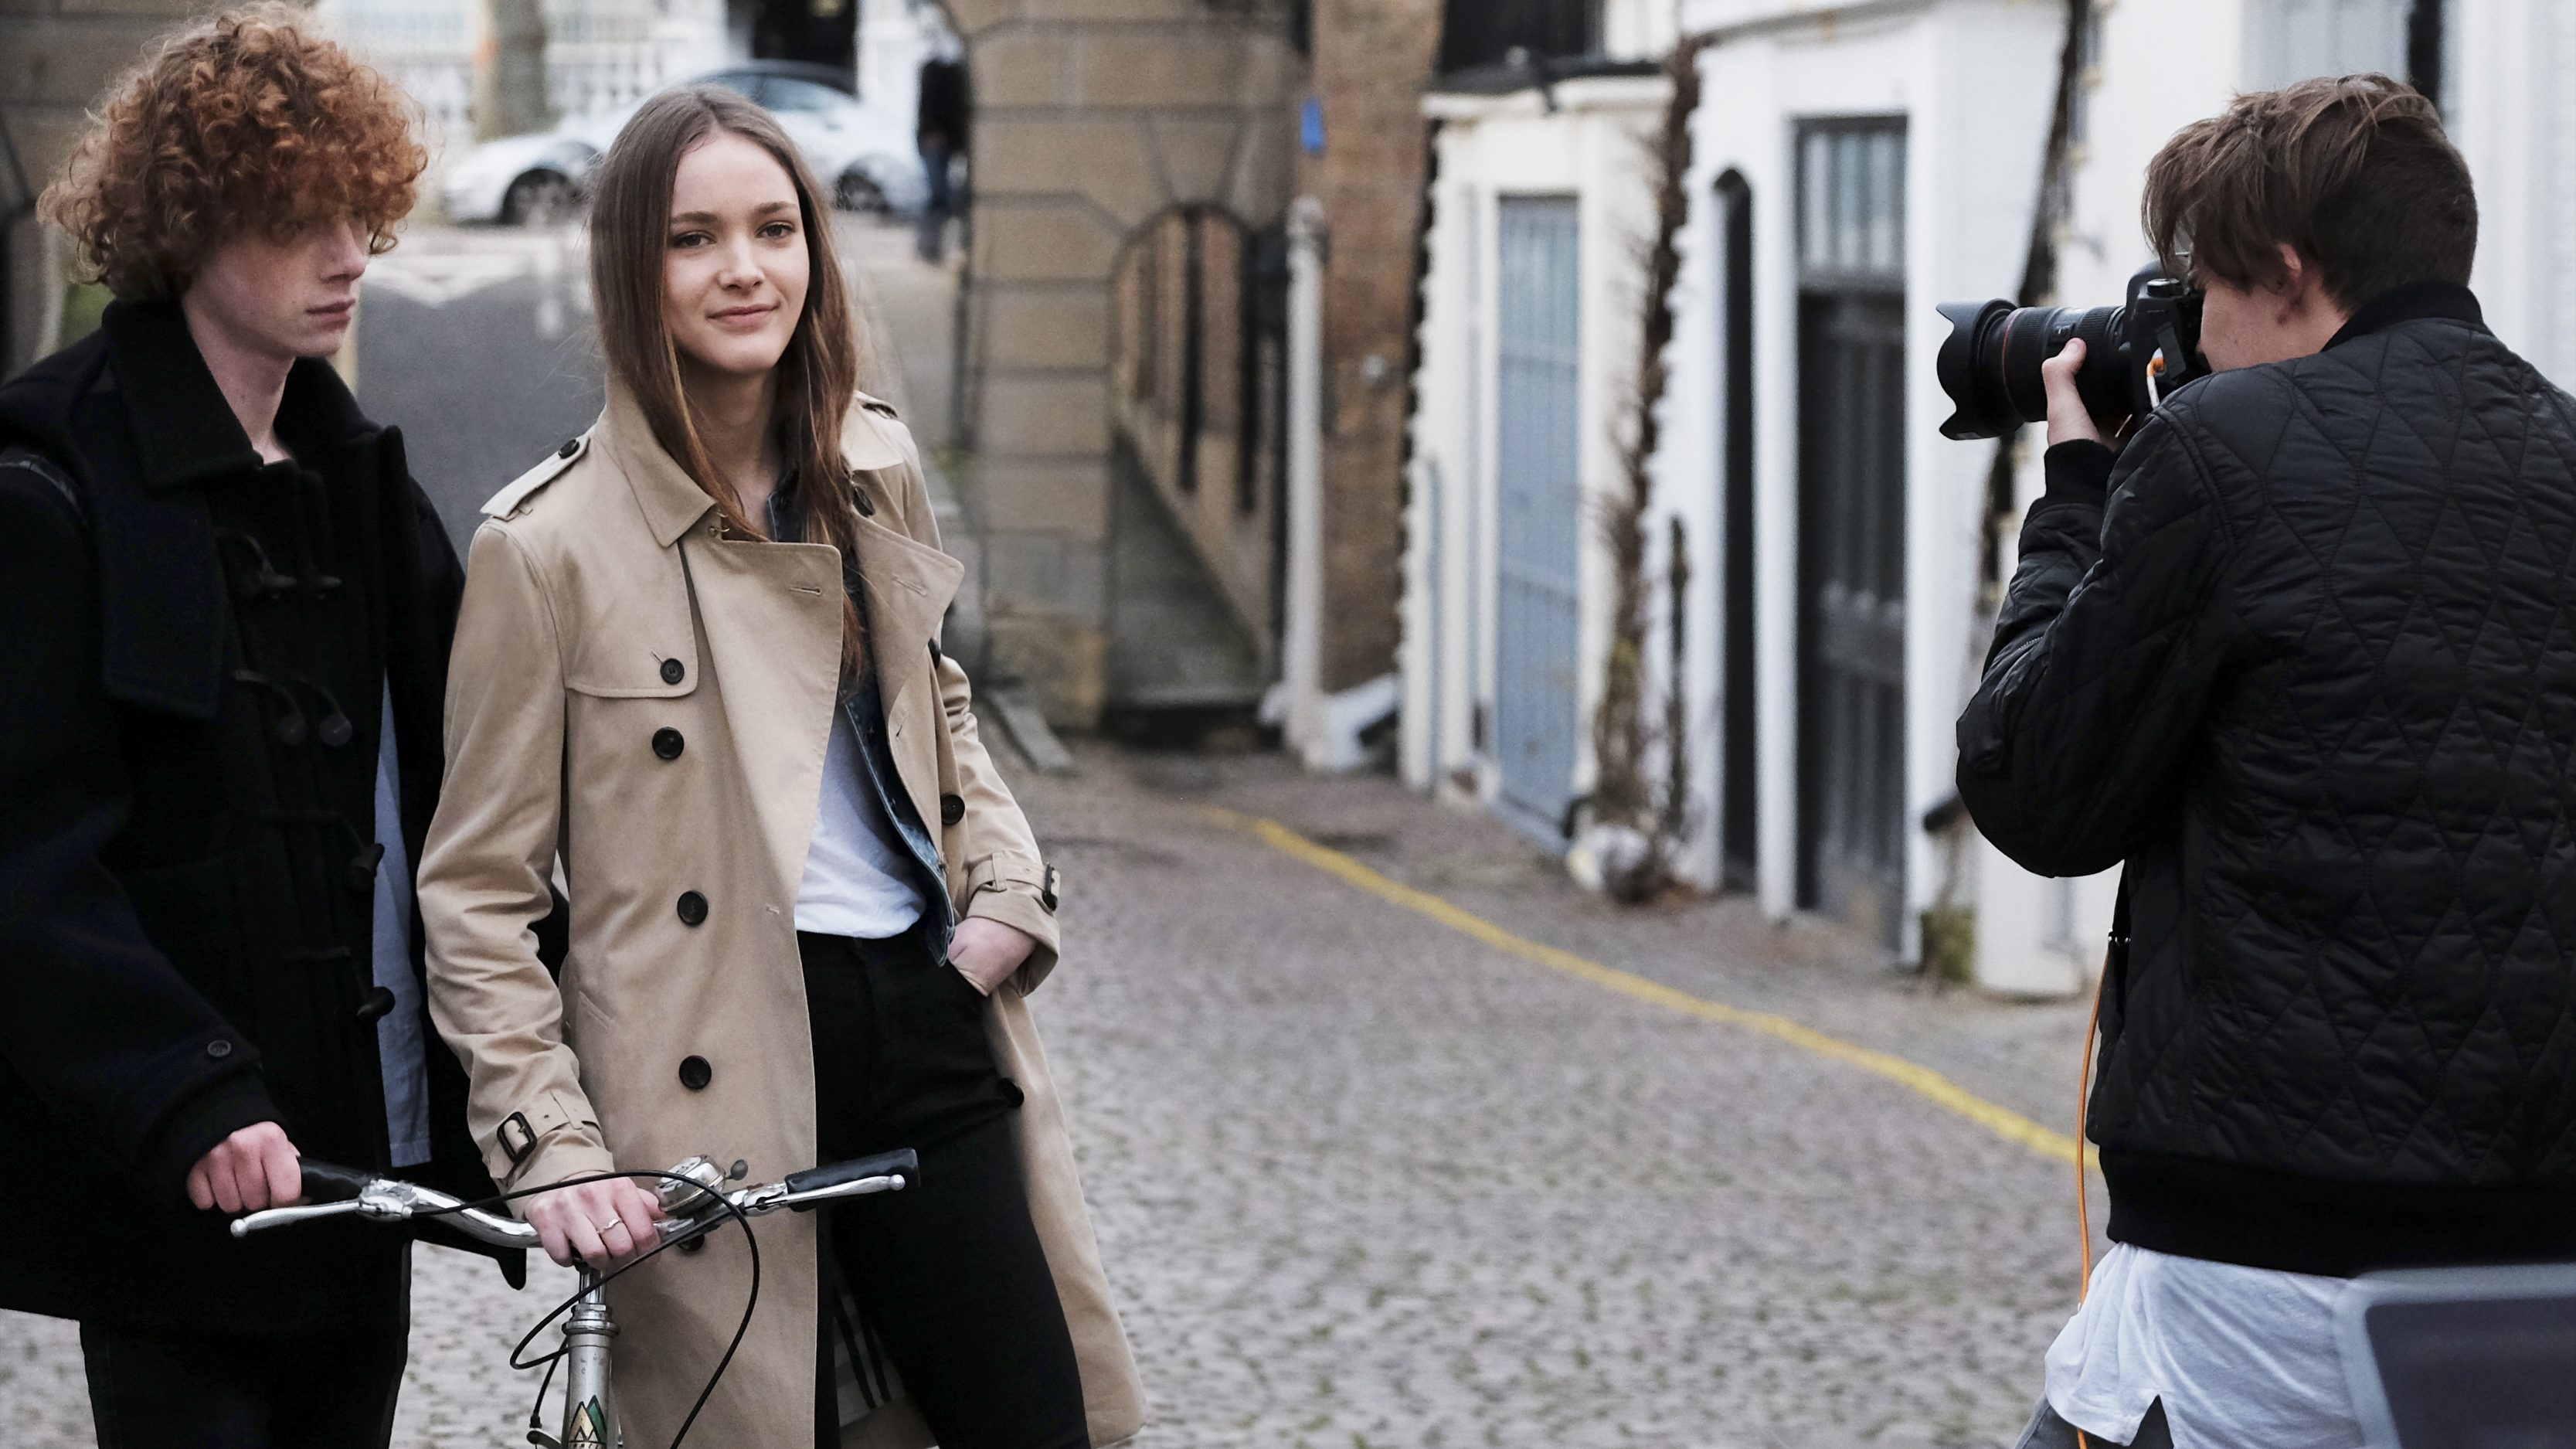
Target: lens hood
(1978, 412)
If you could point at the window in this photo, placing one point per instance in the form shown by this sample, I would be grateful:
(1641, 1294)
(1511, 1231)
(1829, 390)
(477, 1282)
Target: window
(1852, 176)
(1486, 32)
(1852, 817)
(2291, 40)
(1181, 327)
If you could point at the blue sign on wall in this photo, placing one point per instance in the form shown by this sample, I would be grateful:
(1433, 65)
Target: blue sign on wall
(1310, 126)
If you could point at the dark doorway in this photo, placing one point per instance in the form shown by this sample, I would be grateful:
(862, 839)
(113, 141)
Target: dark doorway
(1851, 446)
(1186, 306)
(2427, 59)
(822, 32)
(1739, 841)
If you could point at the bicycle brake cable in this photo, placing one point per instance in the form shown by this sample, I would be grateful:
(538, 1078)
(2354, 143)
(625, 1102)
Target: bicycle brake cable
(751, 1303)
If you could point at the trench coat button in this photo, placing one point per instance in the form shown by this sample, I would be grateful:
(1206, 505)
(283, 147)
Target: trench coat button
(377, 1004)
(668, 744)
(673, 671)
(952, 808)
(570, 447)
(695, 1073)
(219, 1049)
(693, 908)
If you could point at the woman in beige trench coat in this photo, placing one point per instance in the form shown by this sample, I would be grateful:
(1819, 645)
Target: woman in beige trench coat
(718, 736)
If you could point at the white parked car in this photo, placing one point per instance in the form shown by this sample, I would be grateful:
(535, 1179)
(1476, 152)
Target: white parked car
(863, 154)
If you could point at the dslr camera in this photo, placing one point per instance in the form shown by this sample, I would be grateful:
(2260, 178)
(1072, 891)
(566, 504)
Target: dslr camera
(2134, 355)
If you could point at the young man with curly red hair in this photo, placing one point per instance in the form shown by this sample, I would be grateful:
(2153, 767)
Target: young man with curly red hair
(229, 613)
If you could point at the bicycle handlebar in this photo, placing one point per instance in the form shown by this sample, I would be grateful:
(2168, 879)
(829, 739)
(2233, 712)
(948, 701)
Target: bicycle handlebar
(812, 1185)
(329, 1182)
(383, 1199)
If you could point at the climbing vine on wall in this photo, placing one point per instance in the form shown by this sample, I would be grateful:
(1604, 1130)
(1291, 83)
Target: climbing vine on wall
(1649, 816)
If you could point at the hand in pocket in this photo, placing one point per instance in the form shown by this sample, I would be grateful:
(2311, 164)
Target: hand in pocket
(987, 952)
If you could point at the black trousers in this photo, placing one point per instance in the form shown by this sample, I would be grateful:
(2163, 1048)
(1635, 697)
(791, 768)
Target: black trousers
(153, 1390)
(949, 1274)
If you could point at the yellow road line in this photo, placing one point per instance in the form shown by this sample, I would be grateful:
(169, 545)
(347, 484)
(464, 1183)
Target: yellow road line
(1913, 1076)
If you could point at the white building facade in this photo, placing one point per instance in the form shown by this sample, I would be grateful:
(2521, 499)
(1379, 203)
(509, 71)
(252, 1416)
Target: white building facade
(1540, 199)
(1852, 165)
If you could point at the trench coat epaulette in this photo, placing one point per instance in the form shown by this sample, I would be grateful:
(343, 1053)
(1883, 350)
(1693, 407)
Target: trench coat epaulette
(507, 502)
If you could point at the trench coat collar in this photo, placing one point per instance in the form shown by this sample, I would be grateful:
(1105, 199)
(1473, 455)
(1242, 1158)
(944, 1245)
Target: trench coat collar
(905, 586)
(671, 501)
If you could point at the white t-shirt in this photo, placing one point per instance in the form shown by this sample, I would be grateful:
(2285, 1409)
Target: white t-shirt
(2240, 1356)
(856, 881)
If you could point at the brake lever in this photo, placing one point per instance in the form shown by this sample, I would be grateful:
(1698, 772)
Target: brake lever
(249, 1223)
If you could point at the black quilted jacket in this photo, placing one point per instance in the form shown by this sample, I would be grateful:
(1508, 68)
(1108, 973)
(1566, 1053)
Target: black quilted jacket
(2305, 659)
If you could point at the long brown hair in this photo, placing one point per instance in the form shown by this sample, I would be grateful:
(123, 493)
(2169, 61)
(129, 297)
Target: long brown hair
(630, 222)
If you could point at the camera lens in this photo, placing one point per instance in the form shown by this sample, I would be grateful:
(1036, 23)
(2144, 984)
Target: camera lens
(1989, 364)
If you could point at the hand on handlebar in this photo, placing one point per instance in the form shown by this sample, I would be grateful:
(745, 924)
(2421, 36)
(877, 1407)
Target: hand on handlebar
(603, 1223)
(255, 1168)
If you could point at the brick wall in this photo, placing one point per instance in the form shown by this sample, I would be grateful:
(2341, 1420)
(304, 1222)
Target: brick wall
(1372, 59)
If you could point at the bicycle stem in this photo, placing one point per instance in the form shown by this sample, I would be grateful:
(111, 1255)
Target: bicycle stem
(590, 1408)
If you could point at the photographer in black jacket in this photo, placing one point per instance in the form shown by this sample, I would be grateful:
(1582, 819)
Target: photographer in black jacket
(2303, 656)
(228, 611)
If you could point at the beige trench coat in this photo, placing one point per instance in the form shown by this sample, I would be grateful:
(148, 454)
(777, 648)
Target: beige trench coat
(601, 608)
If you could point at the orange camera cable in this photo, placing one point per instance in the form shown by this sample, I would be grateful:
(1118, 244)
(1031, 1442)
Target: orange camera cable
(2084, 1185)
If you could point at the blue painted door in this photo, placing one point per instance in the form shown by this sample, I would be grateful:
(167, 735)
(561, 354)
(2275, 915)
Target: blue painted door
(1540, 524)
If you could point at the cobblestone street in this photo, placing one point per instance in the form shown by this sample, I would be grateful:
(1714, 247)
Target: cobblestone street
(1363, 1180)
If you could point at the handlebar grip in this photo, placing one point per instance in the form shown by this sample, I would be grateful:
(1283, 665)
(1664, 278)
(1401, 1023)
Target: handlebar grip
(330, 1182)
(903, 1162)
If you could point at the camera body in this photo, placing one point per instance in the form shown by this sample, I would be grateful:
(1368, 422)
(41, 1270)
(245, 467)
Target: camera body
(2134, 354)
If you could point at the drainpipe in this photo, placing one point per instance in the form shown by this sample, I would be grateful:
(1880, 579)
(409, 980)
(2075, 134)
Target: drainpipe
(1302, 645)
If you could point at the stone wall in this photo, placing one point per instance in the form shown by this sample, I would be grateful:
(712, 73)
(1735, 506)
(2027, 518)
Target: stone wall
(56, 59)
(1093, 118)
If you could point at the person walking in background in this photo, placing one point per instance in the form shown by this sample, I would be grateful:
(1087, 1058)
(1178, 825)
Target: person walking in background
(2299, 655)
(699, 670)
(942, 132)
(229, 613)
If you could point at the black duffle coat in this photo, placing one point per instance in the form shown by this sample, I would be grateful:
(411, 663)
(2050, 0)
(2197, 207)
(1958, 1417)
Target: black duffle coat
(162, 981)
